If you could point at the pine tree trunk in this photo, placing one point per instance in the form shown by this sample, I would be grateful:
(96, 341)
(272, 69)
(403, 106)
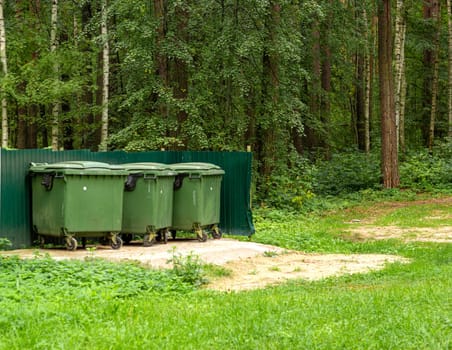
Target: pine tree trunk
(325, 106)
(311, 140)
(434, 100)
(449, 27)
(3, 60)
(179, 72)
(160, 58)
(53, 47)
(270, 95)
(389, 155)
(105, 77)
(360, 100)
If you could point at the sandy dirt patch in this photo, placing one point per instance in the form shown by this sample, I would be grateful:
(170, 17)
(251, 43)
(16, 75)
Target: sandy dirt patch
(441, 234)
(251, 265)
(267, 270)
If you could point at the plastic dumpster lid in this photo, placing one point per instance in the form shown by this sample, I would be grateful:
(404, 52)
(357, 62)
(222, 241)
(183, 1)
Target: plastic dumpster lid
(148, 167)
(197, 167)
(79, 167)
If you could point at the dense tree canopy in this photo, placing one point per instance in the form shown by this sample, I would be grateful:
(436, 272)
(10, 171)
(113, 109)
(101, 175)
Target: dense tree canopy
(287, 78)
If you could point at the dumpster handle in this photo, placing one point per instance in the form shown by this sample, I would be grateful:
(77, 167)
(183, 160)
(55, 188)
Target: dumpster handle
(47, 181)
(195, 176)
(131, 182)
(178, 180)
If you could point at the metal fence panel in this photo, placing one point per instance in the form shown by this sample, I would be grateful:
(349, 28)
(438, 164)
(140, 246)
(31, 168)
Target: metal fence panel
(15, 204)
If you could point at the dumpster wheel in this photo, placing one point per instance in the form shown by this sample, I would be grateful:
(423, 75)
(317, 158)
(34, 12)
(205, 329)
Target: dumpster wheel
(116, 242)
(71, 243)
(162, 235)
(216, 232)
(201, 235)
(41, 241)
(150, 237)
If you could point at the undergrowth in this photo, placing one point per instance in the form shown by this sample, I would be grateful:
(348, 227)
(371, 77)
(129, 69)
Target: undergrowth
(93, 278)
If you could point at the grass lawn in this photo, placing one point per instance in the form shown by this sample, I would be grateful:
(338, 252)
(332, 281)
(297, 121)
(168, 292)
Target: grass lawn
(98, 305)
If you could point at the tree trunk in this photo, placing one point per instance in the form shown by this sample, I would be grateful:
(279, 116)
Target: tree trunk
(449, 36)
(368, 71)
(434, 101)
(270, 95)
(179, 74)
(360, 100)
(21, 132)
(399, 58)
(311, 139)
(105, 77)
(325, 105)
(429, 14)
(402, 143)
(3, 60)
(161, 58)
(53, 47)
(389, 155)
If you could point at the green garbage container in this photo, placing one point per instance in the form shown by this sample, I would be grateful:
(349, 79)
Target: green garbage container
(197, 192)
(77, 199)
(148, 202)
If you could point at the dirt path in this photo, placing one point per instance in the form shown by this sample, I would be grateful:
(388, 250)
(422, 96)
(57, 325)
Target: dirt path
(367, 230)
(251, 265)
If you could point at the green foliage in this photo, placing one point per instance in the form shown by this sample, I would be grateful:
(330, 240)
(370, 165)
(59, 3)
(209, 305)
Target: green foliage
(289, 188)
(347, 172)
(424, 171)
(42, 277)
(5, 243)
(189, 268)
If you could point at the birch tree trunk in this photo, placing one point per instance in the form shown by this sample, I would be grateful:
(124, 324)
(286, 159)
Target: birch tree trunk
(389, 154)
(105, 77)
(56, 68)
(436, 18)
(367, 84)
(402, 143)
(5, 132)
(449, 27)
(399, 62)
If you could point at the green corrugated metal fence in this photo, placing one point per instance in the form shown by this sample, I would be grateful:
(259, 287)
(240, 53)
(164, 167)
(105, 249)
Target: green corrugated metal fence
(15, 207)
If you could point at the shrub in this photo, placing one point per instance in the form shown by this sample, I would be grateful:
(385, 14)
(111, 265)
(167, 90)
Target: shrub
(424, 171)
(189, 268)
(288, 188)
(5, 244)
(347, 172)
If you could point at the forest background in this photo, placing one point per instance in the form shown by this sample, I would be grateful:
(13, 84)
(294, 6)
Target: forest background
(330, 95)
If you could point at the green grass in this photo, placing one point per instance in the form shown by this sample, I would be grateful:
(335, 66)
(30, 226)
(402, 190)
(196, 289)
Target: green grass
(97, 305)
(427, 215)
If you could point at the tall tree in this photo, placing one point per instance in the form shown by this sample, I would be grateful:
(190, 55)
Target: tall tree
(399, 66)
(53, 47)
(105, 76)
(435, 11)
(179, 69)
(449, 36)
(270, 92)
(389, 153)
(160, 55)
(3, 60)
